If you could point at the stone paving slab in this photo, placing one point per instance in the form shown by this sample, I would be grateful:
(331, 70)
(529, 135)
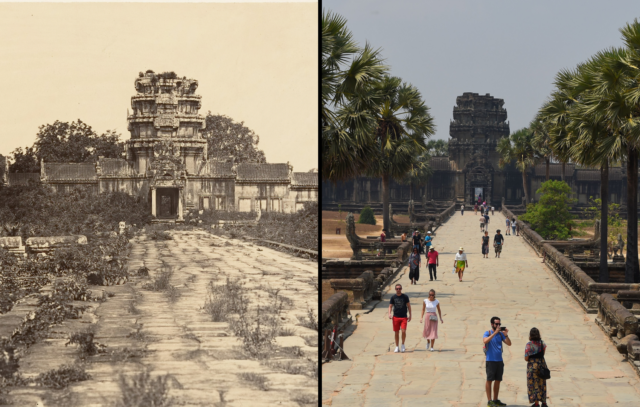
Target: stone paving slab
(586, 369)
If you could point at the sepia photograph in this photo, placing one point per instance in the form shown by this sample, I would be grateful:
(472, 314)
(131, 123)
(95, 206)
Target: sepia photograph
(479, 203)
(159, 181)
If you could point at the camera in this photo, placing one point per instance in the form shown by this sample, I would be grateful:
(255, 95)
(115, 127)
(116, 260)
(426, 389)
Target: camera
(502, 328)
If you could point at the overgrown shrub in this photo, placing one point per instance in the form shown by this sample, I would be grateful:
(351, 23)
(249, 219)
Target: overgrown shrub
(160, 235)
(223, 300)
(37, 210)
(37, 323)
(62, 377)
(161, 281)
(71, 290)
(366, 216)
(141, 390)
(85, 343)
(550, 217)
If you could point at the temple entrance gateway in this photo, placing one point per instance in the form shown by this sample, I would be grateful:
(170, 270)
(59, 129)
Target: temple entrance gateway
(167, 203)
(478, 195)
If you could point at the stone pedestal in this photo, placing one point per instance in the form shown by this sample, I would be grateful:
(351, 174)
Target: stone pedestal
(618, 259)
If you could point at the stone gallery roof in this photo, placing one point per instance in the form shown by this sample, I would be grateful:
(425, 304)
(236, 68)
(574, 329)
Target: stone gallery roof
(217, 169)
(304, 179)
(615, 174)
(440, 164)
(115, 167)
(555, 170)
(23, 178)
(263, 172)
(70, 172)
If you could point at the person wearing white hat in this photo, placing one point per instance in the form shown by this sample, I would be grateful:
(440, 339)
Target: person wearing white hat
(427, 241)
(460, 262)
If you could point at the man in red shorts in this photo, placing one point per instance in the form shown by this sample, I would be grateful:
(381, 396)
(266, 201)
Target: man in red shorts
(400, 304)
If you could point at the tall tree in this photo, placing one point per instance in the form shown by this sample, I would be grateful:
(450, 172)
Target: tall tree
(419, 173)
(403, 124)
(541, 142)
(226, 138)
(518, 147)
(347, 73)
(75, 142)
(438, 148)
(24, 160)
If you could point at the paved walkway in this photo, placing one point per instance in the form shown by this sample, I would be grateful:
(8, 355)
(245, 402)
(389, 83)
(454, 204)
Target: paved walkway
(586, 369)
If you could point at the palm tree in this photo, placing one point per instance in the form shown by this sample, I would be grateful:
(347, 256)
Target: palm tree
(403, 123)
(419, 173)
(347, 72)
(541, 142)
(518, 147)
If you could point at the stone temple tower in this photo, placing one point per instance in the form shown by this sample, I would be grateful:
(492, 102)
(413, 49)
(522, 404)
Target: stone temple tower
(479, 122)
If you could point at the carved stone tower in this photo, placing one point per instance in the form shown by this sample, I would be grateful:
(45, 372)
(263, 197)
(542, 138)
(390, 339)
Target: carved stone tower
(479, 122)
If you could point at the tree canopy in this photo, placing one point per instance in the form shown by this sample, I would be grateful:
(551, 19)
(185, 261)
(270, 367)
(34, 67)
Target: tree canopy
(226, 138)
(74, 142)
(550, 217)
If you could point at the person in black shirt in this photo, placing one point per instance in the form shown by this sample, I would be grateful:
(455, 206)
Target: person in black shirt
(416, 240)
(498, 242)
(485, 245)
(400, 304)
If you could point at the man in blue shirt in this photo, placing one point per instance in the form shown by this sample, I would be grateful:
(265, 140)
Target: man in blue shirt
(427, 241)
(495, 366)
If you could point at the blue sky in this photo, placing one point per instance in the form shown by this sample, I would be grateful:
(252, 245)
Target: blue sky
(510, 49)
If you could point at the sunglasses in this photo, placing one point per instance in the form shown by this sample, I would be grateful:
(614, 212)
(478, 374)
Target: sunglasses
(398, 289)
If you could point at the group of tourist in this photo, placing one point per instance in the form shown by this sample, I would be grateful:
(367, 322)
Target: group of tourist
(493, 339)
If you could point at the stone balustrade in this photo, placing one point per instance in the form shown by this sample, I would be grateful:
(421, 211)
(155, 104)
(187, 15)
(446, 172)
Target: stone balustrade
(615, 319)
(335, 311)
(630, 299)
(359, 290)
(14, 245)
(49, 244)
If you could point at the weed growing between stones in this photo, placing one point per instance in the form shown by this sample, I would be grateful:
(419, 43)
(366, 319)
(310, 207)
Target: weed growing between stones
(125, 354)
(255, 379)
(160, 235)
(306, 400)
(132, 308)
(138, 334)
(290, 367)
(287, 332)
(226, 299)
(161, 281)
(142, 390)
(62, 377)
(173, 294)
(85, 343)
(310, 321)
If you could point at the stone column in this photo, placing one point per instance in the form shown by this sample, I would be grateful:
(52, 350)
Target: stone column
(180, 205)
(153, 202)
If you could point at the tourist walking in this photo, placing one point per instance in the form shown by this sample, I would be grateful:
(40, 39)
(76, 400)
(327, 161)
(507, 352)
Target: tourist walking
(534, 355)
(416, 239)
(460, 263)
(400, 304)
(433, 262)
(475, 209)
(481, 223)
(513, 225)
(428, 240)
(508, 226)
(485, 245)
(492, 340)
(498, 242)
(462, 209)
(492, 209)
(430, 332)
(486, 220)
(517, 228)
(414, 266)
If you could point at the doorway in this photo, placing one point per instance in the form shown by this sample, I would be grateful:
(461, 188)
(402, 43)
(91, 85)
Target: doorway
(167, 202)
(478, 195)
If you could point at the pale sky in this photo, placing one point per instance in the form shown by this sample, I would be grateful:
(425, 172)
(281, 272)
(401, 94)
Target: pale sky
(510, 49)
(256, 63)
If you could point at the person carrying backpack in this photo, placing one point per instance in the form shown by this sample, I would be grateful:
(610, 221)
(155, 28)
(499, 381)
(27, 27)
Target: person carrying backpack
(534, 356)
(493, 340)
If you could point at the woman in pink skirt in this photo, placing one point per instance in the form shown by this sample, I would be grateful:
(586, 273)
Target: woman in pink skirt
(430, 332)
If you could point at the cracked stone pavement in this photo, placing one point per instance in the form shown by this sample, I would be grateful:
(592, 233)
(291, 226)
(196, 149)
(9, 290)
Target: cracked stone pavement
(586, 369)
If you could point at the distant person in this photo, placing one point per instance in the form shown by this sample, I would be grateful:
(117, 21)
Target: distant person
(534, 355)
(498, 242)
(403, 238)
(517, 228)
(475, 209)
(383, 236)
(494, 364)
(400, 304)
(485, 245)
(433, 262)
(414, 266)
(421, 243)
(460, 263)
(462, 209)
(481, 223)
(513, 225)
(430, 332)
(486, 219)
(508, 226)
(492, 209)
